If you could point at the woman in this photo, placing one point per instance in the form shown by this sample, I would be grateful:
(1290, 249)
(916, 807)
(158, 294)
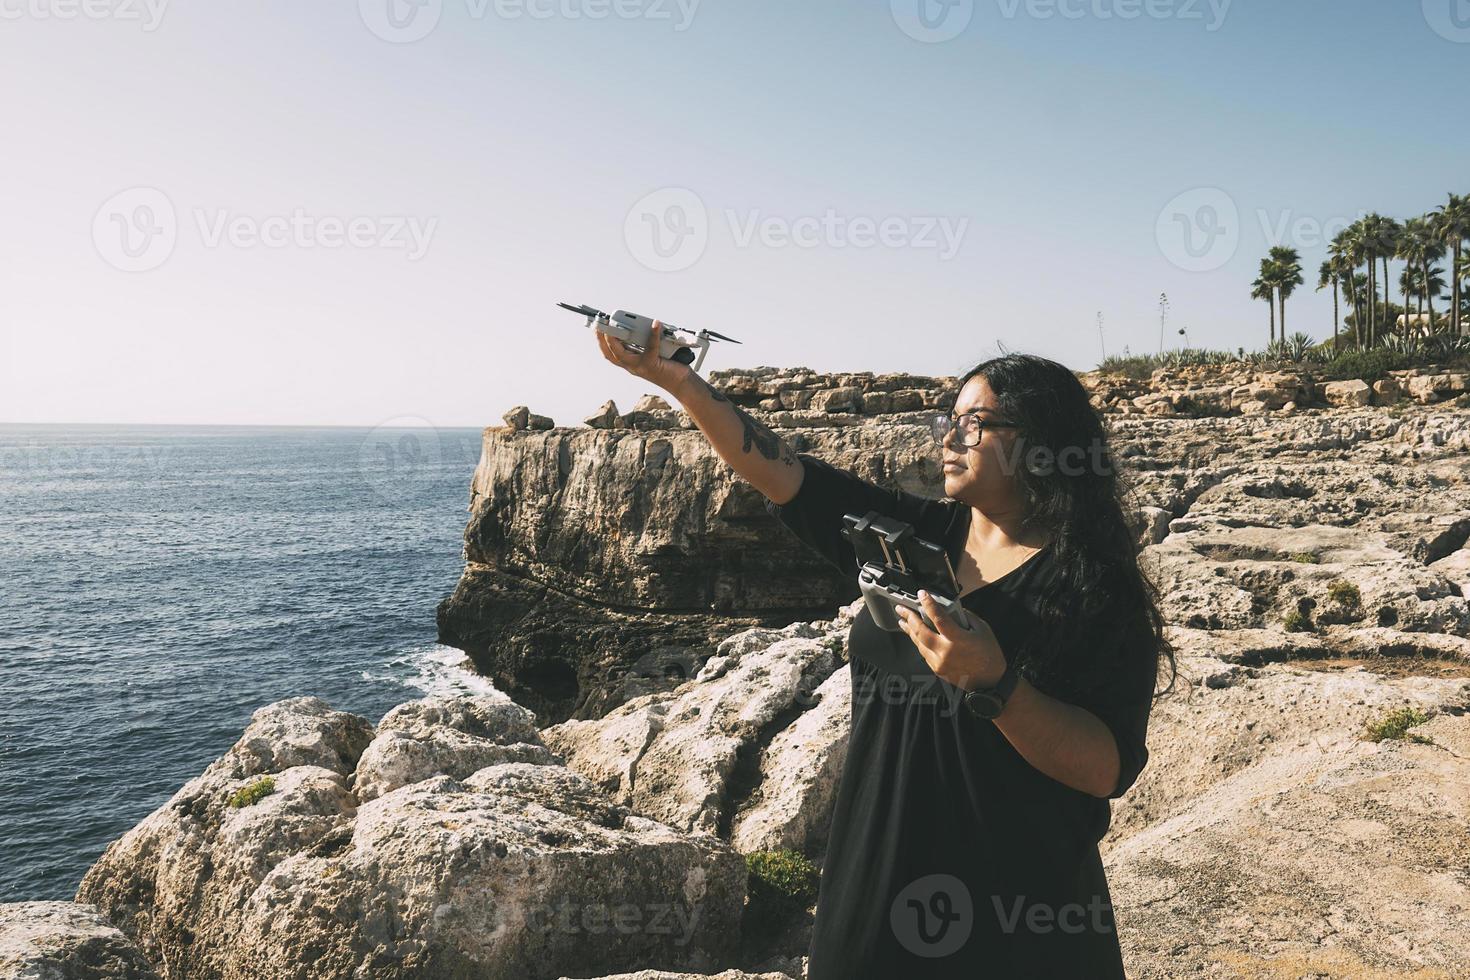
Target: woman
(964, 833)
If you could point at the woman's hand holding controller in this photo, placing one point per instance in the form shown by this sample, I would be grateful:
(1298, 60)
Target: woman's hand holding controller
(967, 658)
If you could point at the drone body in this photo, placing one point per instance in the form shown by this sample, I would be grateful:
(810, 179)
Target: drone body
(634, 331)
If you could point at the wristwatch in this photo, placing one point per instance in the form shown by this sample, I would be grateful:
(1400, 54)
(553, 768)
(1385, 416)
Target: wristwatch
(989, 702)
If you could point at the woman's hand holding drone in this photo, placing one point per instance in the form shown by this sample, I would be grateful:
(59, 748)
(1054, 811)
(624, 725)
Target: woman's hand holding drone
(649, 365)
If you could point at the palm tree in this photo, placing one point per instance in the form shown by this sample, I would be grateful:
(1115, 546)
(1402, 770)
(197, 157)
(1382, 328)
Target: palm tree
(1384, 237)
(1356, 288)
(1339, 253)
(1419, 245)
(1451, 224)
(1430, 284)
(1263, 289)
(1359, 240)
(1409, 286)
(1379, 236)
(1286, 268)
(1413, 283)
(1461, 272)
(1327, 276)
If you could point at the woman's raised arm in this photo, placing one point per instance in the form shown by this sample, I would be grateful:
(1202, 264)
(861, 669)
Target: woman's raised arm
(755, 452)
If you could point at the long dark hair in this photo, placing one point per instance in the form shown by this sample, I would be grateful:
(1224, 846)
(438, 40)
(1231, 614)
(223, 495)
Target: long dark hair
(1082, 502)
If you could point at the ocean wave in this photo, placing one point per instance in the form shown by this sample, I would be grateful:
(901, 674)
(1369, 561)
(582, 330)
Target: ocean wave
(436, 671)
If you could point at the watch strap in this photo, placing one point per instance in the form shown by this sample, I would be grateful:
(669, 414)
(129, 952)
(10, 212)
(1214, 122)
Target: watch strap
(1001, 692)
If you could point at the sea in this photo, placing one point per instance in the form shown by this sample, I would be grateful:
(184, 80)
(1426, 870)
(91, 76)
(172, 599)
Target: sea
(160, 583)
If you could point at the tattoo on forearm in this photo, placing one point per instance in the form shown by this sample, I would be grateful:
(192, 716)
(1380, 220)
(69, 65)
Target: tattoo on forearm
(756, 434)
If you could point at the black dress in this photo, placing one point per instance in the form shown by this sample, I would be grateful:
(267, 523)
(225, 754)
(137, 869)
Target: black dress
(949, 854)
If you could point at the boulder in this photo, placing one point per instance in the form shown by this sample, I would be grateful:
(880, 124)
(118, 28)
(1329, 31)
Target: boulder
(454, 737)
(64, 940)
(1347, 394)
(1428, 388)
(673, 756)
(1267, 837)
(799, 773)
(268, 864)
(1386, 391)
(844, 399)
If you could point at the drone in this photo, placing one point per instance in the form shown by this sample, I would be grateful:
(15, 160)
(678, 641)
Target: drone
(634, 331)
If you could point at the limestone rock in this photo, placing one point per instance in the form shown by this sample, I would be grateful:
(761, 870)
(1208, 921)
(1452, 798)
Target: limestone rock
(518, 418)
(1249, 578)
(1154, 524)
(799, 772)
(588, 549)
(298, 732)
(1436, 387)
(1386, 391)
(455, 737)
(606, 417)
(582, 543)
(844, 399)
(1275, 846)
(651, 403)
(1347, 394)
(64, 940)
(518, 870)
(672, 757)
(1455, 567)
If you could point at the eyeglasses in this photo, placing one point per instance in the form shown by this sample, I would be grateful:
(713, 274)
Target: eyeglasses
(971, 427)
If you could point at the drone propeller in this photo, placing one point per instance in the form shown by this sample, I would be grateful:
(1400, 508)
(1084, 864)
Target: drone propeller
(582, 310)
(720, 336)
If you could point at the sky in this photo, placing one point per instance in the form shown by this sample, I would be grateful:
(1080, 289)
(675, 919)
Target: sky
(364, 213)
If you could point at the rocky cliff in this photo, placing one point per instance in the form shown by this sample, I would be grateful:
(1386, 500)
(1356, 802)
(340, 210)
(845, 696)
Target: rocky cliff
(606, 560)
(1305, 811)
(603, 561)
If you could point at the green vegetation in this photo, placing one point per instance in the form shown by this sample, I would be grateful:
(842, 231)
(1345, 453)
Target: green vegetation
(1370, 365)
(1297, 621)
(1371, 334)
(1299, 352)
(253, 793)
(782, 885)
(1305, 557)
(1344, 593)
(1396, 725)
